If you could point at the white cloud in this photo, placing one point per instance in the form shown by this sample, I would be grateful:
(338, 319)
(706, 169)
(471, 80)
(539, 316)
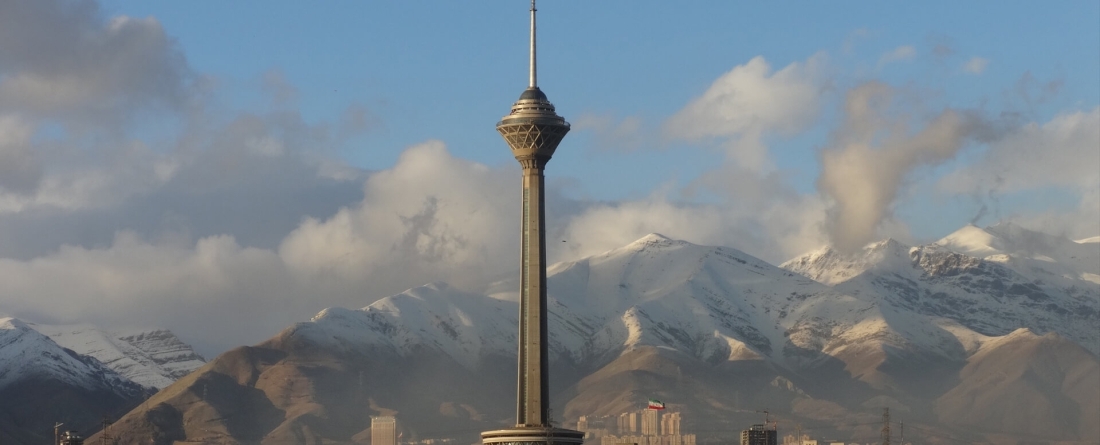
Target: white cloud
(976, 65)
(899, 54)
(203, 291)
(62, 61)
(1062, 153)
(749, 102)
(430, 217)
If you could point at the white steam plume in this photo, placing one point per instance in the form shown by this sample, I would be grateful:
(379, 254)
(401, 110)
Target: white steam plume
(871, 155)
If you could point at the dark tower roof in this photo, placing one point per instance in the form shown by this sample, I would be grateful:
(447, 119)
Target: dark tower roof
(533, 93)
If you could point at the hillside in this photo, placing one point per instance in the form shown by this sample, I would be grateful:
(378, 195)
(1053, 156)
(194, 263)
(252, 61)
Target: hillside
(712, 331)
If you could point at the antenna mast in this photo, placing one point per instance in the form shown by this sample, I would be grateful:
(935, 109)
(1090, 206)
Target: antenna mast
(534, 79)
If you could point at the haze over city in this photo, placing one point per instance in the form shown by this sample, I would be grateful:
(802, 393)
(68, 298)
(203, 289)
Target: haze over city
(227, 171)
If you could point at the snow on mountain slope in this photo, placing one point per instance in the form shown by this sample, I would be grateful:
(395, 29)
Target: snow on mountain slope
(828, 266)
(992, 296)
(153, 358)
(26, 354)
(463, 325)
(1036, 255)
(715, 303)
(1091, 240)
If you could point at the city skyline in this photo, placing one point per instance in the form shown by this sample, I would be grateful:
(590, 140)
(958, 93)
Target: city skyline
(642, 427)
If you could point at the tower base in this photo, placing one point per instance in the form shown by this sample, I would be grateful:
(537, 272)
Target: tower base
(532, 435)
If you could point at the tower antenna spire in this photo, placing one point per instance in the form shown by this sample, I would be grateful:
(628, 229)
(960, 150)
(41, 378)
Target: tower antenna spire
(534, 76)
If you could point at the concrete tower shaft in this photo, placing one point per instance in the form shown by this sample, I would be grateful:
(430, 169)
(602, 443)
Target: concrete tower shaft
(533, 132)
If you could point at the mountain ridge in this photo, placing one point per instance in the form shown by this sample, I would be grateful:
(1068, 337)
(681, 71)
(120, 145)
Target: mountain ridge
(698, 326)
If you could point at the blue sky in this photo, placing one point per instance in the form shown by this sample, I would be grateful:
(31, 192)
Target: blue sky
(172, 156)
(437, 70)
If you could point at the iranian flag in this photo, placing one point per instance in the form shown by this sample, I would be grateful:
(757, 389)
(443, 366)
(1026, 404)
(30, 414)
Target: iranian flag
(656, 404)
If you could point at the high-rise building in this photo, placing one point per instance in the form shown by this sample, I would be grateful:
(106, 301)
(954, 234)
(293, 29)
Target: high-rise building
(533, 130)
(670, 424)
(759, 435)
(628, 423)
(383, 430)
(649, 422)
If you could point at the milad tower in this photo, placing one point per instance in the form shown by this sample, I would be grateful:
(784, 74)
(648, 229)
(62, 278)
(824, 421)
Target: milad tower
(533, 131)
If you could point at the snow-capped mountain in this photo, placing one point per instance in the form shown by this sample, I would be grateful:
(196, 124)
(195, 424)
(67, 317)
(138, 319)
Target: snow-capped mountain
(711, 327)
(716, 302)
(153, 358)
(991, 281)
(26, 353)
(41, 382)
(1035, 255)
(720, 304)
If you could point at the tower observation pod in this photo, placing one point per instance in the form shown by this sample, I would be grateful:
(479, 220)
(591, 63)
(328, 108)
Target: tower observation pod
(532, 130)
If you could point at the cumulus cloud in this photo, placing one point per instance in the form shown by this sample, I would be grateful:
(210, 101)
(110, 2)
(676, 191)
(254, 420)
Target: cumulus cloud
(209, 291)
(431, 217)
(749, 102)
(253, 177)
(62, 60)
(870, 157)
(100, 226)
(1061, 153)
(976, 65)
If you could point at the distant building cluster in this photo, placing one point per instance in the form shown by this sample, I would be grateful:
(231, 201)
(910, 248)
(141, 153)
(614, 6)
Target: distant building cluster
(791, 439)
(643, 427)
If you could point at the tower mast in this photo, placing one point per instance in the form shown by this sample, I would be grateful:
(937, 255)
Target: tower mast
(534, 61)
(533, 131)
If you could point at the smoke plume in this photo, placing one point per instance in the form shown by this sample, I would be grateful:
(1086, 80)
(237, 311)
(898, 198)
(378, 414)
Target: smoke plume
(869, 158)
